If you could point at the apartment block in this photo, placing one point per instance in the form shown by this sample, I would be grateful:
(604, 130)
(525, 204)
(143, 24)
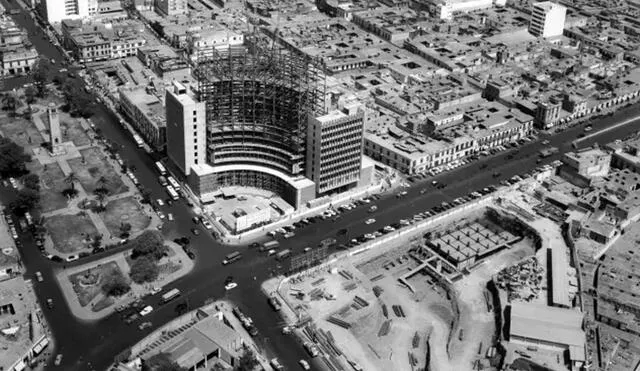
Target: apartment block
(186, 128)
(146, 113)
(57, 10)
(171, 7)
(547, 19)
(334, 149)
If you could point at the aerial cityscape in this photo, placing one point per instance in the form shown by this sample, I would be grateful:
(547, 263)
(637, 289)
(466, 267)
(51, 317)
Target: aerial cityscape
(335, 185)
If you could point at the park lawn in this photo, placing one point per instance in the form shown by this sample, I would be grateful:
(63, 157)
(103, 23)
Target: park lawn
(70, 233)
(125, 210)
(23, 132)
(72, 130)
(95, 166)
(88, 284)
(104, 302)
(52, 183)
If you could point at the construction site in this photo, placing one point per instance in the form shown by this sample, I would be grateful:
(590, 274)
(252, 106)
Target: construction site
(405, 306)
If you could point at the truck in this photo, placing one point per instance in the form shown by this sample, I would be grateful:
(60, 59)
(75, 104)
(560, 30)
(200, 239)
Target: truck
(246, 321)
(269, 245)
(170, 295)
(283, 254)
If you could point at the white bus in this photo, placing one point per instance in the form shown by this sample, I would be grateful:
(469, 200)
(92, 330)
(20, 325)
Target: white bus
(161, 168)
(170, 295)
(172, 192)
(138, 140)
(173, 183)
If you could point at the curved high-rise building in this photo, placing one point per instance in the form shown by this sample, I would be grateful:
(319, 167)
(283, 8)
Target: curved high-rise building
(263, 109)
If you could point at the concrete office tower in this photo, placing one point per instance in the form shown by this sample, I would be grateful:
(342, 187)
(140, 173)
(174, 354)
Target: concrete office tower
(186, 128)
(547, 19)
(171, 7)
(57, 10)
(334, 149)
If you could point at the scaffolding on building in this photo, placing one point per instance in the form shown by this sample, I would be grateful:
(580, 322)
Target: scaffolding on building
(258, 99)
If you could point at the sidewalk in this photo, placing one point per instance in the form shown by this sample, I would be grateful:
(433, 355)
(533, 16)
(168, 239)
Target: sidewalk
(297, 215)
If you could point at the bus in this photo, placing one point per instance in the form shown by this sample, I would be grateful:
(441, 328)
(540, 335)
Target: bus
(283, 254)
(172, 192)
(234, 256)
(161, 168)
(170, 295)
(138, 140)
(173, 183)
(163, 181)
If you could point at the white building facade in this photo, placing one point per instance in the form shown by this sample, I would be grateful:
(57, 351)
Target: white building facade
(547, 19)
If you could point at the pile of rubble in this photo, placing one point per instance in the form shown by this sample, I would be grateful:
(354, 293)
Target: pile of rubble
(522, 281)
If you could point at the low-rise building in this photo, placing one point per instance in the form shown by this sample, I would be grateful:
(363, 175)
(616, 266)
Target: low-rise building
(582, 167)
(146, 113)
(90, 42)
(556, 328)
(451, 136)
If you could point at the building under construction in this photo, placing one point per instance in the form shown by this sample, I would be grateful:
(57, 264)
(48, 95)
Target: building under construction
(258, 99)
(268, 125)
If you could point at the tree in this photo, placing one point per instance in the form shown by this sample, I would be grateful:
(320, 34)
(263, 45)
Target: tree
(10, 102)
(30, 94)
(102, 185)
(125, 230)
(77, 101)
(26, 200)
(71, 179)
(13, 159)
(115, 284)
(41, 73)
(149, 243)
(160, 362)
(31, 181)
(247, 361)
(96, 241)
(144, 269)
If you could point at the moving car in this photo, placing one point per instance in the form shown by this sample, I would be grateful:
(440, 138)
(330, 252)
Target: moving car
(156, 290)
(160, 202)
(50, 303)
(370, 221)
(58, 360)
(146, 310)
(304, 364)
(195, 231)
(230, 286)
(145, 325)
(39, 277)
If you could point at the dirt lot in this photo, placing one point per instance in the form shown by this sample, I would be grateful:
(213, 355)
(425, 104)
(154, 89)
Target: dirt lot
(94, 167)
(125, 210)
(70, 233)
(427, 313)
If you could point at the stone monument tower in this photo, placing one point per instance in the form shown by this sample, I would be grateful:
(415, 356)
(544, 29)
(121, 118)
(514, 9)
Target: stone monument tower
(54, 130)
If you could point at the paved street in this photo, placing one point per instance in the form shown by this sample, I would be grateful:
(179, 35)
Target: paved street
(93, 345)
